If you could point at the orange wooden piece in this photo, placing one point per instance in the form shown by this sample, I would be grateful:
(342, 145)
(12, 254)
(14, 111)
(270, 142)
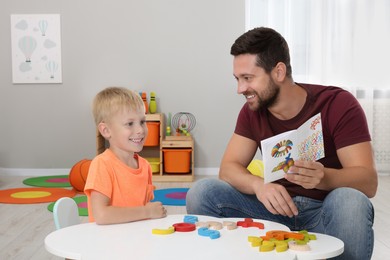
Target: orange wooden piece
(282, 235)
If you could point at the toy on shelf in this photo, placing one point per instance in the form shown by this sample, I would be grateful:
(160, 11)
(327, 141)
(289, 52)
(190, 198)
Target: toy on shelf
(168, 131)
(152, 103)
(144, 98)
(183, 123)
(168, 128)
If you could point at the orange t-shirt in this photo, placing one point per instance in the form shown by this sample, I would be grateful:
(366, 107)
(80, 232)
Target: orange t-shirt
(125, 186)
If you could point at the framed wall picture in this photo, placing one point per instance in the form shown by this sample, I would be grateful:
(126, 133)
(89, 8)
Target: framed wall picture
(36, 48)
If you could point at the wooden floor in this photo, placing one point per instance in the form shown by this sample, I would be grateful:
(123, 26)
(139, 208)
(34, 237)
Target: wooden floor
(24, 227)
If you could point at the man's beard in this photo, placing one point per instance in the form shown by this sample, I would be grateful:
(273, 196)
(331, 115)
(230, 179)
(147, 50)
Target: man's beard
(267, 97)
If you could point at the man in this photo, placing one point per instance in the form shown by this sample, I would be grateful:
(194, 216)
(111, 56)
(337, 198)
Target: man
(327, 196)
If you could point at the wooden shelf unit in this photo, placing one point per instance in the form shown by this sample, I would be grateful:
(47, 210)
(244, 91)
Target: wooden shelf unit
(176, 142)
(165, 142)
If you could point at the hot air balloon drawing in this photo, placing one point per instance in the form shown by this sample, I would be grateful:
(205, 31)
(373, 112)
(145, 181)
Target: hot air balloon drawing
(27, 45)
(43, 26)
(51, 67)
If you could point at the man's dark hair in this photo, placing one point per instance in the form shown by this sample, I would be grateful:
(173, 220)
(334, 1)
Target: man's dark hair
(269, 46)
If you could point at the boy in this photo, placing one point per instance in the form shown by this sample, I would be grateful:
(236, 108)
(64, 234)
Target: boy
(119, 184)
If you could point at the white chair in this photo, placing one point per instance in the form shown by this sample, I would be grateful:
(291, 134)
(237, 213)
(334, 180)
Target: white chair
(66, 213)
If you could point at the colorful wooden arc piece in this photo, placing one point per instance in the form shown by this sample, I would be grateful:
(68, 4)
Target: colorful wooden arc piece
(248, 222)
(190, 219)
(282, 235)
(168, 231)
(230, 225)
(282, 240)
(184, 227)
(293, 245)
(205, 232)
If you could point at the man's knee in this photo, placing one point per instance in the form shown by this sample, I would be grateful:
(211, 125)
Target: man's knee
(350, 216)
(348, 196)
(201, 188)
(199, 193)
(350, 203)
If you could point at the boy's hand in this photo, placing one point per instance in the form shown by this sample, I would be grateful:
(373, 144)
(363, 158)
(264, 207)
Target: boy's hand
(156, 209)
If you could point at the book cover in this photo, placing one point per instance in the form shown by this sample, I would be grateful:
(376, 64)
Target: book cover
(280, 151)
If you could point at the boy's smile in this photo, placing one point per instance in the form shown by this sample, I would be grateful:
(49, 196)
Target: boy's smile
(127, 133)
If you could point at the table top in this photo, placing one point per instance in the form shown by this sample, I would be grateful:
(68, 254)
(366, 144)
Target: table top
(135, 240)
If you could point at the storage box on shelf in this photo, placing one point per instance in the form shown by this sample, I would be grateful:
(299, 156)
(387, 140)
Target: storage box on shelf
(151, 150)
(177, 158)
(171, 157)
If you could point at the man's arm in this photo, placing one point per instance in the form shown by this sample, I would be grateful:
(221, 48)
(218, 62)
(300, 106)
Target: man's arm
(238, 154)
(358, 171)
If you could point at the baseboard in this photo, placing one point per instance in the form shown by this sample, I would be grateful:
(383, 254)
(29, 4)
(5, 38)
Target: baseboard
(206, 171)
(32, 172)
(49, 172)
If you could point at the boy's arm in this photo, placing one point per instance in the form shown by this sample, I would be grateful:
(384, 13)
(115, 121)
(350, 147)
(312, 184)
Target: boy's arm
(104, 213)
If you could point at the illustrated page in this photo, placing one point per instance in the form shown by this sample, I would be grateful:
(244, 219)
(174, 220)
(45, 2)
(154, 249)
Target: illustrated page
(280, 151)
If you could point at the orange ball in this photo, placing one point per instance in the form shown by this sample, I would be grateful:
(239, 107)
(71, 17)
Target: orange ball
(79, 173)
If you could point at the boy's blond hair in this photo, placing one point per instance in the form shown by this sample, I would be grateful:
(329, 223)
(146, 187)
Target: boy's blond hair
(113, 100)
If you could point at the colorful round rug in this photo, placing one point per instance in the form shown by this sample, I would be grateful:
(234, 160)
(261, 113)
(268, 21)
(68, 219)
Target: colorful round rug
(49, 181)
(171, 196)
(34, 195)
(81, 202)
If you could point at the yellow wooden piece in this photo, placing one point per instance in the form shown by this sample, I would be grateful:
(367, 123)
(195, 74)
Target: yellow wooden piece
(168, 231)
(254, 238)
(270, 243)
(256, 167)
(281, 247)
(266, 248)
(301, 242)
(280, 242)
(256, 243)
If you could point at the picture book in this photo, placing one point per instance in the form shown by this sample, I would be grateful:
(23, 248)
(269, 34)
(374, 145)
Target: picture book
(280, 151)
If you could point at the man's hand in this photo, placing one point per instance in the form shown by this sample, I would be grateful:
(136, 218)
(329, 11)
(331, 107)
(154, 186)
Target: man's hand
(306, 174)
(277, 200)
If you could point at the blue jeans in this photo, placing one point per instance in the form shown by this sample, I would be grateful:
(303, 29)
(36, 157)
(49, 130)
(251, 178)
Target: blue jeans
(345, 213)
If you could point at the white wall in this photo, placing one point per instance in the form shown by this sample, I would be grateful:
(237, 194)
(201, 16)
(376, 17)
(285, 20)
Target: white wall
(177, 48)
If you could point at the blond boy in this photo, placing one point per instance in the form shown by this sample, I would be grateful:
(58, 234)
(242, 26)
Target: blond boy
(119, 184)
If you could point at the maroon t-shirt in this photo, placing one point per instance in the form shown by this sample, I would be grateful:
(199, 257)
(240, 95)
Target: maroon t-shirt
(343, 124)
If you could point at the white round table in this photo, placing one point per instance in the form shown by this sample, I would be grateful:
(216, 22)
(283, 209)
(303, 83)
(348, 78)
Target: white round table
(135, 241)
